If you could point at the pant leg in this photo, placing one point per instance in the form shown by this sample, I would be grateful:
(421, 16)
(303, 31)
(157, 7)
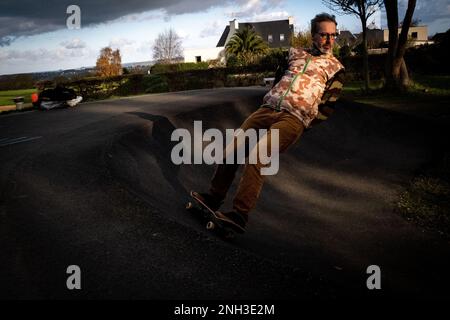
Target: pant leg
(225, 173)
(290, 129)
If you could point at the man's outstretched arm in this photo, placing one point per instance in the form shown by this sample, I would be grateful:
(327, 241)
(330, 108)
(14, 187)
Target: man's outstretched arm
(281, 69)
(330, 96)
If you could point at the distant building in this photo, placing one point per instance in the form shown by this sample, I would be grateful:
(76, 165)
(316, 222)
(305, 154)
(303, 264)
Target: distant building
(345, 38)
(378, 39)
(201, 54)
(416, 35)
(276, 33)
(374, 35)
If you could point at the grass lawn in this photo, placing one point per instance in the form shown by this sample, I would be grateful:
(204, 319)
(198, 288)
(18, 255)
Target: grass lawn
(424, 200)
(430, 85)
(7, 96)
(428, 96)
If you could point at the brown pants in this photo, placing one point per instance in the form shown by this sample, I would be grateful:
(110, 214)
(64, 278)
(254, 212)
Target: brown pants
(290, 129)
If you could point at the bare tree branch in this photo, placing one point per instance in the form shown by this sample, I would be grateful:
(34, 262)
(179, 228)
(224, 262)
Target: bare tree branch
(167, 47)
(360, 8)
(363, 9)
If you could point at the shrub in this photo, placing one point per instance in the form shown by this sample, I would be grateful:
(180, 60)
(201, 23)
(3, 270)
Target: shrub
(155, 84)
(99, 88)
(235, 61)
(274, 58)
(177, 67)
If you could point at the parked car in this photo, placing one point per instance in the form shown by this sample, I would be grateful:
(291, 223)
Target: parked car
(58, 97)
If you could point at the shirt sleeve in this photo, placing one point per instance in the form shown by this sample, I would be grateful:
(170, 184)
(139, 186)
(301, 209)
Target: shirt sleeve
(332, 92)
(281, 69)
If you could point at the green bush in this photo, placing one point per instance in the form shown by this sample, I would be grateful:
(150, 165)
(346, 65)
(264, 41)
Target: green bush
(232, 61)
(93, 88)
(155, 84)
(353, 66)
(178, 67)
(274, 58)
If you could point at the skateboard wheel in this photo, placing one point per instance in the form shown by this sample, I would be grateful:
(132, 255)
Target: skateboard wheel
(189, 205)
(210, 225)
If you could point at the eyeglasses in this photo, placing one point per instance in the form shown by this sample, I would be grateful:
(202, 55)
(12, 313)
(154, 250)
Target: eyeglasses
(325, 36)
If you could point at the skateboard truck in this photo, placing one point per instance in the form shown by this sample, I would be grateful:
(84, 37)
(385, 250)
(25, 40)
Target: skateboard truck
(213, 222)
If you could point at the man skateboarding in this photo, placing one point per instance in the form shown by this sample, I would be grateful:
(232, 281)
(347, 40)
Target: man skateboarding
(302, 96)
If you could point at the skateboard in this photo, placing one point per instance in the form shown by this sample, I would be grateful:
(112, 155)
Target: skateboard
(213, 220)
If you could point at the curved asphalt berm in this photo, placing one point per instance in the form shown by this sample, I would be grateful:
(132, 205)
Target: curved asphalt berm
(94, 186)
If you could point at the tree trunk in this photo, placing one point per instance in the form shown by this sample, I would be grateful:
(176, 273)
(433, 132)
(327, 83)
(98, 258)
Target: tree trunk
(365, 58)
(401, 47)
(396, 71)
(392, 20)
(363, 17)
(404, 76)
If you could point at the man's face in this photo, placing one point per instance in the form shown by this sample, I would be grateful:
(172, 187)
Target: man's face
(325, 35)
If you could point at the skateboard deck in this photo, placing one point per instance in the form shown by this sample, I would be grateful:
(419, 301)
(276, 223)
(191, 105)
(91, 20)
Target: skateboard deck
(213, 220)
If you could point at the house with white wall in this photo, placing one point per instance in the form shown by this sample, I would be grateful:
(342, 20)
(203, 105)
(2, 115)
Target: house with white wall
(417, 35)
(201, 54)
(276, 33)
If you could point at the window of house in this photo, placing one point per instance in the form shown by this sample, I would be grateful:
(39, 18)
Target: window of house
(270, 38)
(414, 35)
(198, 58)
(282, 37)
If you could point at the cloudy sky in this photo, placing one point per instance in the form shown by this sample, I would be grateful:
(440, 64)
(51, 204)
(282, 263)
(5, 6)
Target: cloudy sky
(34, 35)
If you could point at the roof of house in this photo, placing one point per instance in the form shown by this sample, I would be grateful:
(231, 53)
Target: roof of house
(346, 35)
(372, 34)
(265, 28)
(224, 36)
(345, 38)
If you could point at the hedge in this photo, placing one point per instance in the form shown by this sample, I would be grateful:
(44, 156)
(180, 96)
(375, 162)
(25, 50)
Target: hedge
(420, 60)
(94, 88)
(178, 67)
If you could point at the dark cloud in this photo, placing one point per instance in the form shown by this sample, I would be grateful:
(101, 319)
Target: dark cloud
(430, 11)
(435, 14)
(29, 17)
(6, 41)
(426, 11)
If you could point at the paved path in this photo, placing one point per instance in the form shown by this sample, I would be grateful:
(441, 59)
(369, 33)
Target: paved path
(94, 186)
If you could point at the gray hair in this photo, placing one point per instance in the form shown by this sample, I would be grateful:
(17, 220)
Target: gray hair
(320, 18)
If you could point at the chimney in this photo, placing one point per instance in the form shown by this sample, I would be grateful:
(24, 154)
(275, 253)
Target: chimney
(291, 20)
(234, 25)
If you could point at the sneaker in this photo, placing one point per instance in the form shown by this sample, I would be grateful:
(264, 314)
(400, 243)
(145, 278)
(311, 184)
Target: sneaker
(236, 219)
(210, 200)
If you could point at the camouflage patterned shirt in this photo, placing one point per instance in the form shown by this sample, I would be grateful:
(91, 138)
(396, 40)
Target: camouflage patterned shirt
(310, 80)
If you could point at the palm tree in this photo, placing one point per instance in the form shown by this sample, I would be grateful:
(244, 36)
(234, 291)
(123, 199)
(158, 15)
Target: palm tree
(246, 45)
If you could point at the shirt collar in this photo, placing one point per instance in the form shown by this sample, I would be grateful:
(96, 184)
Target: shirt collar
(316, 52)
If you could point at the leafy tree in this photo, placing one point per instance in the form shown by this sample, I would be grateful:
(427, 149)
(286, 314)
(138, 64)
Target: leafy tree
(109, 63)
(246, 46)
(363, 9)
(167, 47)
(303, 39)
